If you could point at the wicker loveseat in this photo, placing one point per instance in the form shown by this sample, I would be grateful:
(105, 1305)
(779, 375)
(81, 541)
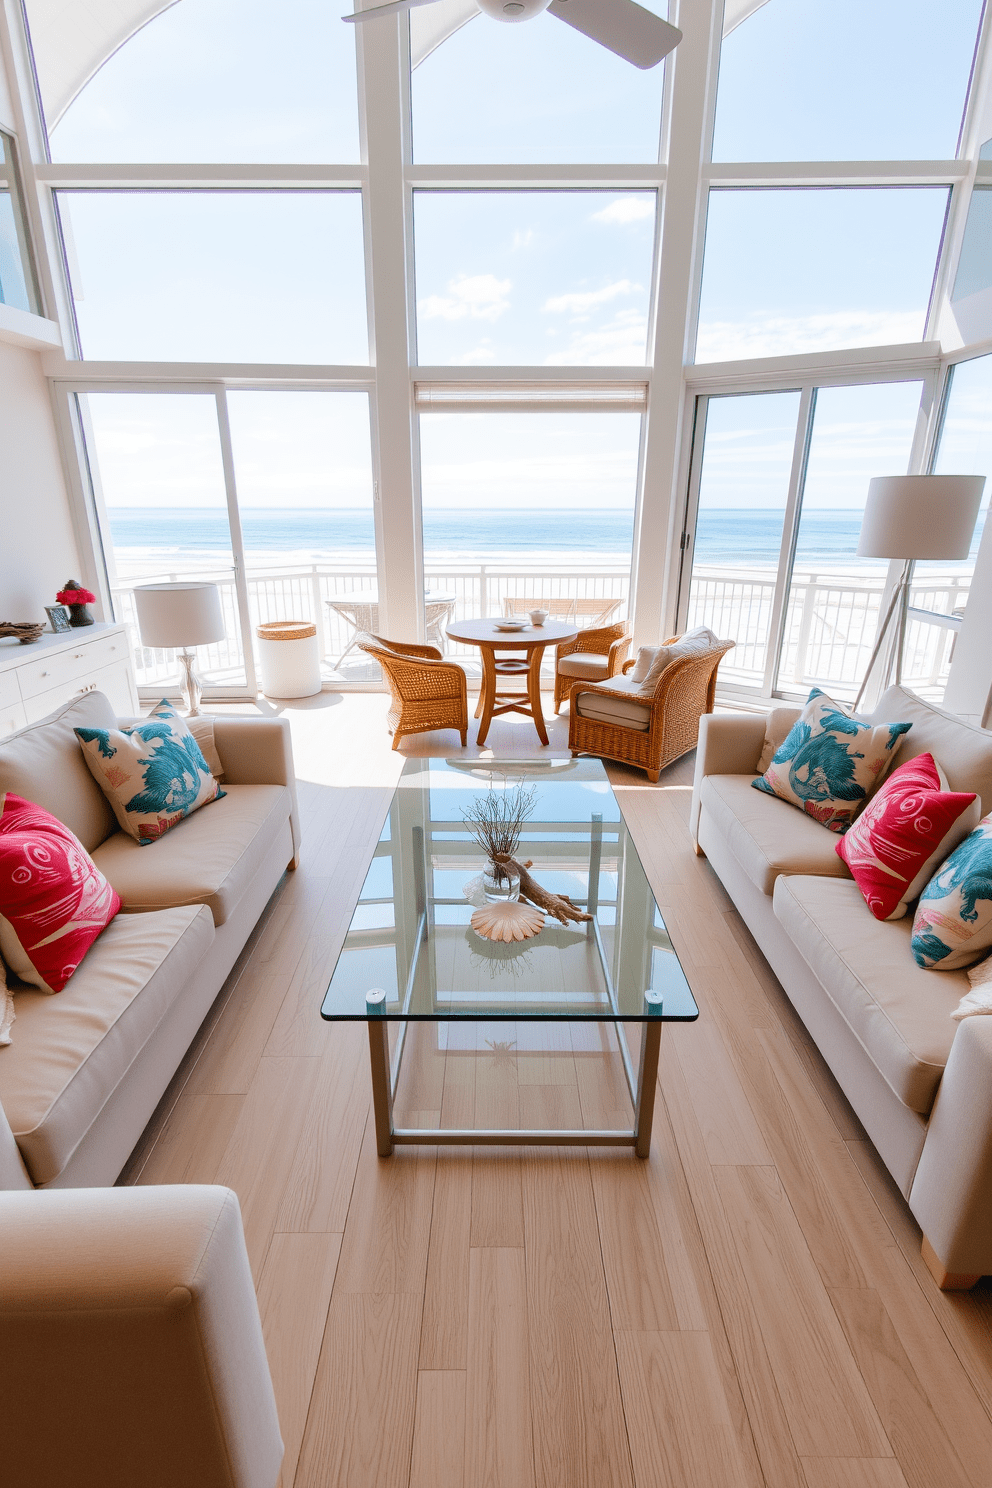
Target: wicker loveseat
(427, 691)
(646, 731)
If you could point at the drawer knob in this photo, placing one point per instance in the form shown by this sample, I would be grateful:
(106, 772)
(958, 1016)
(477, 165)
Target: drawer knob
(44, 674)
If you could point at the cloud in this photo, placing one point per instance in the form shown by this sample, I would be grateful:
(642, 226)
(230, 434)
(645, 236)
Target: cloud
(627, 209)
(478, 297)
(482, 355)
(523, 239)
(579, 304)
(621, 342)
(768, 335)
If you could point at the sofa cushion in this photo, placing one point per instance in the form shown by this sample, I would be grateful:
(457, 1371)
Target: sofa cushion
(70, 1052)
(629, 712)
(44, 763)
(153, 773)
(901, 1015)
(584, 664)
(830, 763)
(210, 858)
(54, 901)
(698, 640)
(964, 749)
(766, 835)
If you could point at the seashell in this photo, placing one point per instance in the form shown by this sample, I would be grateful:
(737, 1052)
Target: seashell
(512, 921)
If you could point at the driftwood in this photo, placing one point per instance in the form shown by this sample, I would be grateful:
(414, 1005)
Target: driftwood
(559, 906)
(26, 631)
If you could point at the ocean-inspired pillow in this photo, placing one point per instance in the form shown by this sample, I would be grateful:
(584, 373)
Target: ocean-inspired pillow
(54, 901)
(153, 773)
(904, 833)
(953, 925)
(829, 763)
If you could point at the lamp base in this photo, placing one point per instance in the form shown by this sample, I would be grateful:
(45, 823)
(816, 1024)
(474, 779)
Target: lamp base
(191, 686)
(897, 608)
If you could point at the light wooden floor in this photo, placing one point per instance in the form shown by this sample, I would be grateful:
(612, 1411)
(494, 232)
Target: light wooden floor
(748, 1307)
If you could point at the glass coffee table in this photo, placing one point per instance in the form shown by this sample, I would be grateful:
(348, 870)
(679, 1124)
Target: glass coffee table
(411, 955)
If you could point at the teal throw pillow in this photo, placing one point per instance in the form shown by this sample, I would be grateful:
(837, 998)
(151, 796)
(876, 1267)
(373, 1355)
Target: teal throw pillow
(953, 924)
(153, 773)
(829, 763)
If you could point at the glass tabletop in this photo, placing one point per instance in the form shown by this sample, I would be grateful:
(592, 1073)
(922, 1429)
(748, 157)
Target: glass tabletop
(410, 937)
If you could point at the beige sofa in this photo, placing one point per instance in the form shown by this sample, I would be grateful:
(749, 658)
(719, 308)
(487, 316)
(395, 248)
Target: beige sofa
(88, 1066)
(920, 1082)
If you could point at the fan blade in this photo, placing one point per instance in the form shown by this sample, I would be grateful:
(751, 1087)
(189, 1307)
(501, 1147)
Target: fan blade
(395, 7)
(621, 26)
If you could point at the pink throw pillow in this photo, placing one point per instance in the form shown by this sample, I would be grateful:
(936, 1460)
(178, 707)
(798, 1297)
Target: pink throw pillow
(904, 833)
(54, 901)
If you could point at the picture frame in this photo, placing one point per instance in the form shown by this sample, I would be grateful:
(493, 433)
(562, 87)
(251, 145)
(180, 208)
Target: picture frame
(58, 617)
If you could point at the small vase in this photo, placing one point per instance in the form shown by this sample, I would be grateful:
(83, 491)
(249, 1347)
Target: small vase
(79, 615)
(500, 885)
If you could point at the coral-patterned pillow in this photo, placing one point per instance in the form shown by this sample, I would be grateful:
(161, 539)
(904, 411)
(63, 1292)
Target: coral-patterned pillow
(911, 824)
(54, 901)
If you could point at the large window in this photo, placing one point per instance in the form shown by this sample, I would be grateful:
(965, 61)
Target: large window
(217, 276)
(789, 271)
(17, 287)
(778, 494)
(528, 277)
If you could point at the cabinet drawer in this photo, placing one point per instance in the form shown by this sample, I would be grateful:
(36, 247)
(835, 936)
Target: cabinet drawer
(9, 690)
(76, 661)
(12, 718)
(114, 681)
(102, 652)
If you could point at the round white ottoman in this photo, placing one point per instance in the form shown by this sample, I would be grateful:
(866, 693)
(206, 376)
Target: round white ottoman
(289, 659)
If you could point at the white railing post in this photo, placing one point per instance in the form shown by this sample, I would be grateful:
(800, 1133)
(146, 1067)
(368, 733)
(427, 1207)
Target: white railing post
(318, 611)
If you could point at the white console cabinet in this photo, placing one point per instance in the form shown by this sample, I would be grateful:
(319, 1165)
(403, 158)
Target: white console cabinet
(37, 679)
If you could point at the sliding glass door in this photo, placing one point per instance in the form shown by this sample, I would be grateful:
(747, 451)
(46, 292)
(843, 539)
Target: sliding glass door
(777, 492)
(268, 494)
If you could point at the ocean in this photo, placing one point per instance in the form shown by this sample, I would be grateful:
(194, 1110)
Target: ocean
(304, 534)
(144, 539)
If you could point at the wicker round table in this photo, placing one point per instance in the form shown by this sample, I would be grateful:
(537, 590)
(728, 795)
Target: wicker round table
(498, 669)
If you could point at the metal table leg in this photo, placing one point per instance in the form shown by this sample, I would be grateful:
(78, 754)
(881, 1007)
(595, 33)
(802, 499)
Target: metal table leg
(647, 1085)
(382, 1095)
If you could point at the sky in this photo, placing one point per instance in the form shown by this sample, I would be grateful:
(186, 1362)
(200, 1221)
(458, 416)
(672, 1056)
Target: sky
(501, 278)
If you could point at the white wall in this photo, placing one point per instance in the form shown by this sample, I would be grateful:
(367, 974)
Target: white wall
(37, 545)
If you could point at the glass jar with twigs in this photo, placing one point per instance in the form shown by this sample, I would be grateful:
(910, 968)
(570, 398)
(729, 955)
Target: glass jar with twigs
(496, 821)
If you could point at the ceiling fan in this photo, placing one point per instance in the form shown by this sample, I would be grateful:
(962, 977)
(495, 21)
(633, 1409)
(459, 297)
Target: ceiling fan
(621, 26)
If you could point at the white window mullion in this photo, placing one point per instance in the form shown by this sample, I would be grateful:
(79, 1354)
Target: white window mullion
(790, 530)
(237, 540)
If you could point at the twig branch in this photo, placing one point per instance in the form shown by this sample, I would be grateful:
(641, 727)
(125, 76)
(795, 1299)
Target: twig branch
(559, 906)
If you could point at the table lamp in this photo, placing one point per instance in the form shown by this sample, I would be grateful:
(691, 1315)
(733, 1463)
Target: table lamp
(913, 517)
(180, 617)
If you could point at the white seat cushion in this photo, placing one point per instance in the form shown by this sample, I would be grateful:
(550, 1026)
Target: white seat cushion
(900, 1013)
(210, 858)
(584, 664)
(768, 836)
(628, 713)
(71, 1050)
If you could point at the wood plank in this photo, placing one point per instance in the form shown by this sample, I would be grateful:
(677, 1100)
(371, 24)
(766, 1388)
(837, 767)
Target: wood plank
(191, 1146)
(829, 1410)
(678, 1424)
(853, 1472)
(925, 1452)
(389, 1221)
(499, 1451)
(634, 1260)
(497, 1198)
(294, 1293)
(321, 1175)
(579, 1434)
(439, 1430)
(360, 1427)
(444, 1332)
(725, 1118)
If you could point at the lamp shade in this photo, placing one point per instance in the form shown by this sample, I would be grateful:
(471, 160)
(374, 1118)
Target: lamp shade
(171, 616)
(920, 516)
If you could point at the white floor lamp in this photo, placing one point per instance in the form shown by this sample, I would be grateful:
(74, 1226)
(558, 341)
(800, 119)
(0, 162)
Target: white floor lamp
(181, 615)
(913, 517)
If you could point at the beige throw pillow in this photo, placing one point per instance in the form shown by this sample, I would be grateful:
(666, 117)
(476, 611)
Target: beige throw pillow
(700, 639)
(641, 667)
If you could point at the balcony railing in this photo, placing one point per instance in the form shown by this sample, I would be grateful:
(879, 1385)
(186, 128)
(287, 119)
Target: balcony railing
(830, 624)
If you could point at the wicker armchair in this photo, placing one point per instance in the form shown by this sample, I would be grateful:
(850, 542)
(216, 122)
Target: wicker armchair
(684, 693)
(607, 649)
(427, 691)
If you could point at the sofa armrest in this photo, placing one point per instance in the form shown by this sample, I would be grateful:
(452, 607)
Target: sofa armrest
(259, 751)
(13, 1173)
(729, 744)
(951, 1195)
